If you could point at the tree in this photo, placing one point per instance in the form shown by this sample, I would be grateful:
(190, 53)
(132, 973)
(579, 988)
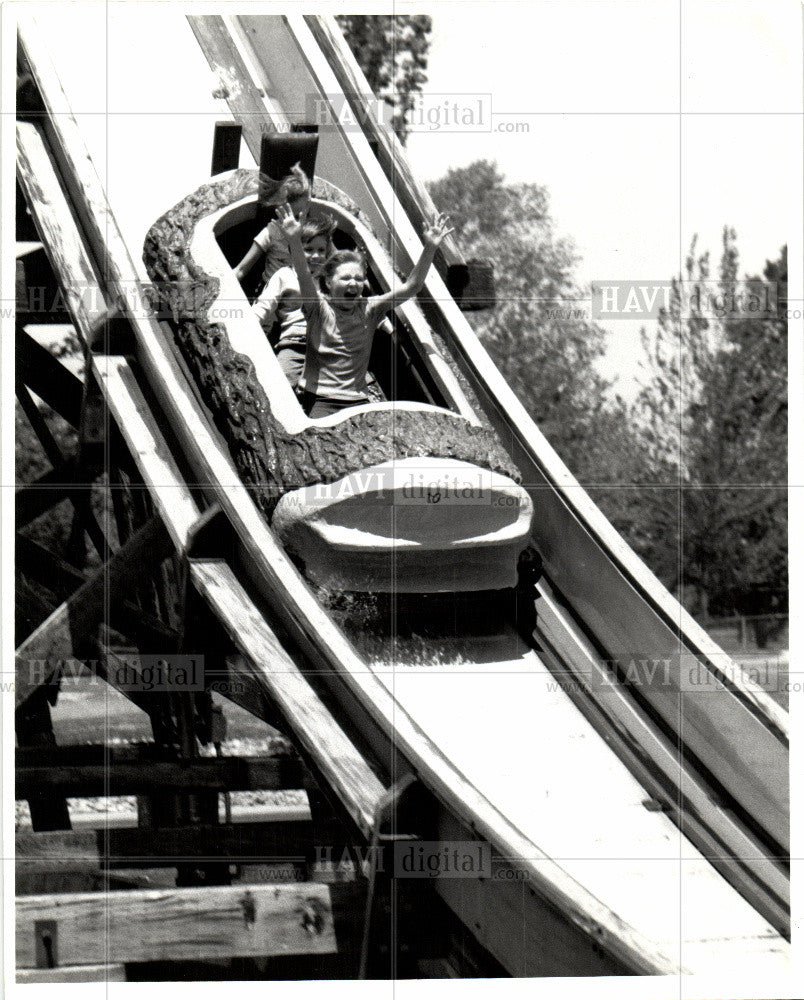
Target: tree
(538, 335)
(391, 49)
(714, 422)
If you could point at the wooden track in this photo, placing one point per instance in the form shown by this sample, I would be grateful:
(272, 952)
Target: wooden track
(604, 883)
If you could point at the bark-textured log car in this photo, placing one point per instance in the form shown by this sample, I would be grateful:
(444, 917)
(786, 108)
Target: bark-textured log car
(402, 495)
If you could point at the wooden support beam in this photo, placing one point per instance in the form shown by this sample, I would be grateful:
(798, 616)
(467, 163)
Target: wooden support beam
(34, 729)
(33, 879)
(140, 777)
(62, 578)
(179, 924)
(157, 847)
(312, 727)
(172, 498)
(412, 194)
(52, 451)
(55, 573)
(245, 843)
(399, 925)
(40, 496)
(79, 495)
(74, 974)
(76, 619)
(245, 103)
(60, 234)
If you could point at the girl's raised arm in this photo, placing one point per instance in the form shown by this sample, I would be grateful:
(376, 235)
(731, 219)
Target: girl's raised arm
(435, 233)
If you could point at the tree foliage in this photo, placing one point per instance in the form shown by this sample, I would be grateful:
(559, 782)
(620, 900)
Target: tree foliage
(392, 50)
(713, 421)
(538, 335)
(694, 474)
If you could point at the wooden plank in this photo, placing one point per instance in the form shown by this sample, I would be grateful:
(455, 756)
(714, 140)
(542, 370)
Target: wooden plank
(227, 62)
(167, 488)
(654, 761)
(127, 819)
(78, 617)
(34, 728)
(60, 847)
(33, 879)
(80, 861)
(115, 973)
(311, 725)
(248, 843)
(55, 222)
(112, 777)
(413, 196)
(180, 924)
(24, 247)
(150, 847)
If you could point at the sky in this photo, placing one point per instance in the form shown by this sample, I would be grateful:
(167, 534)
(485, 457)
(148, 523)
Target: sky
(646, 122)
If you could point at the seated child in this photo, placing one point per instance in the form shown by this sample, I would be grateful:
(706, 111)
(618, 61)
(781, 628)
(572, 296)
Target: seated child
(294, 190)
(280, 300)
(341, 323)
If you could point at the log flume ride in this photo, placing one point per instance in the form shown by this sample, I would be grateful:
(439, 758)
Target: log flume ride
(628, 782)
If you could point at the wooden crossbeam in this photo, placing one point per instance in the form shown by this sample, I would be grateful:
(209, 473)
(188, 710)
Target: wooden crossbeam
(178, 924)
(309, 722)
(56, 639)
(63, 579)
(112, 776)
(79, 495)
(34, 879)
(48, 378)
(154, 847)
(52, 451)
(54, 572)
(40, 496)
(74, 974)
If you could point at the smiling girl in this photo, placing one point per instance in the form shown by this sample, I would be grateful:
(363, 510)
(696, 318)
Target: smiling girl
(341, 324)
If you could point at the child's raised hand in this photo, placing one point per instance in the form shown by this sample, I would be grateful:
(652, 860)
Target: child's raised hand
(437, 231)
(287, 220)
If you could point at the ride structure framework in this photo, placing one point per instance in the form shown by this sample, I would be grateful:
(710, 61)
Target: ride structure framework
(601, 794)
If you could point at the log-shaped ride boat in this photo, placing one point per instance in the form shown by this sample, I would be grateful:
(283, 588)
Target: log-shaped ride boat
(398, 495)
